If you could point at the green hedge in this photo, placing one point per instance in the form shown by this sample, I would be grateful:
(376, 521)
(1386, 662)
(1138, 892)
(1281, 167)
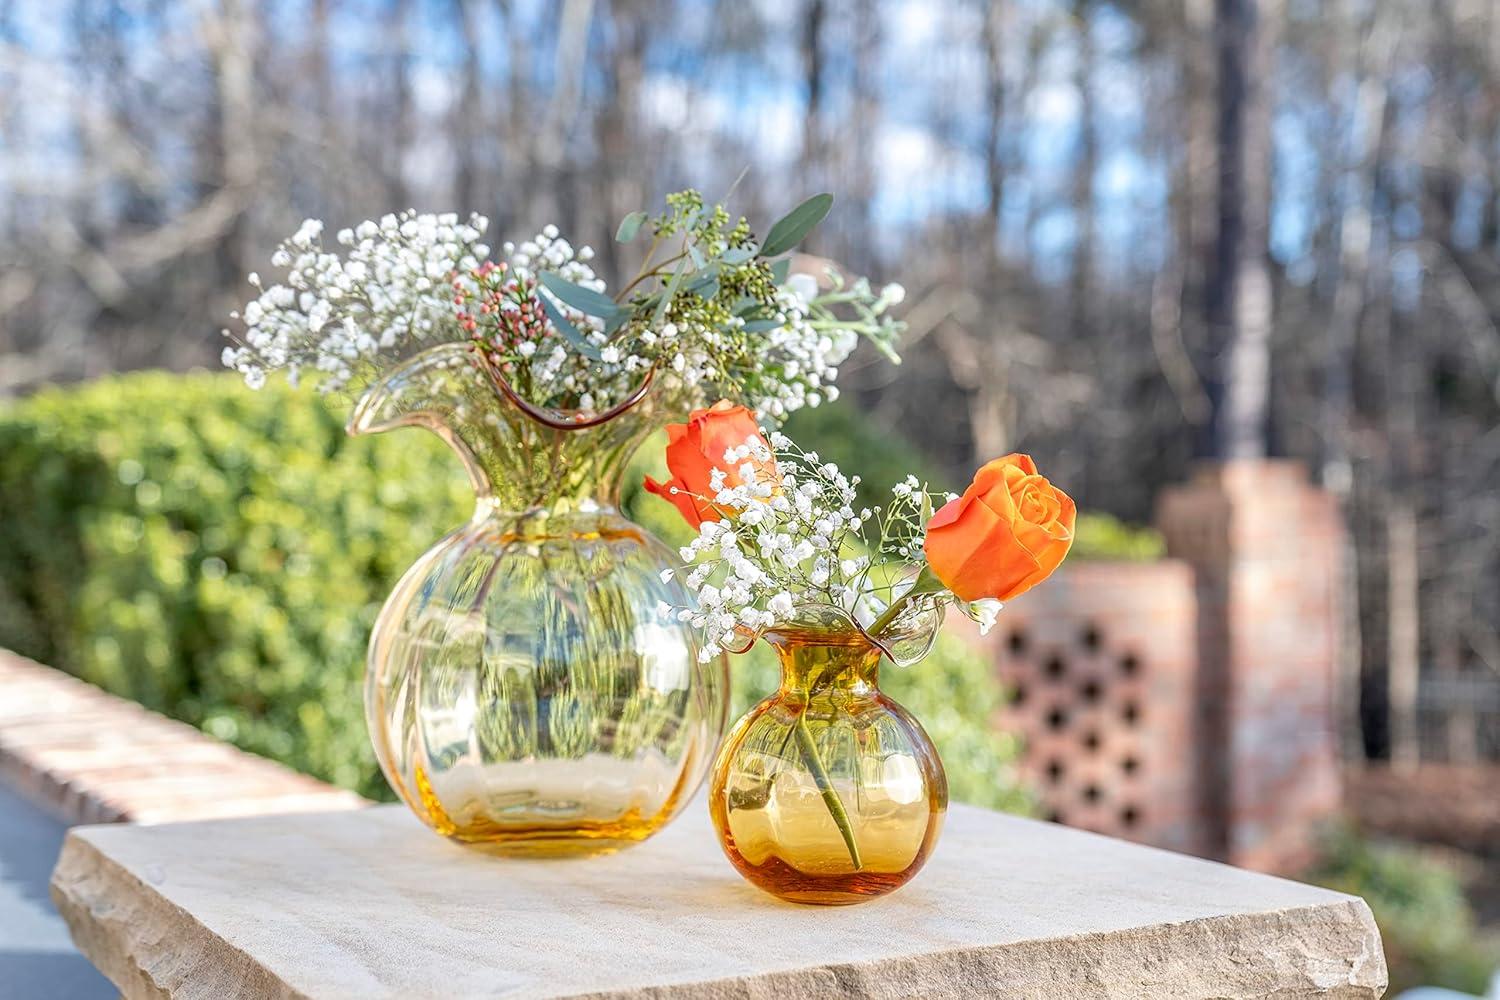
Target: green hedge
(219, 555)
(214, 554)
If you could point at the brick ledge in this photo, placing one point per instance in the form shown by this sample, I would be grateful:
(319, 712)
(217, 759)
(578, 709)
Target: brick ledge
(93, 757)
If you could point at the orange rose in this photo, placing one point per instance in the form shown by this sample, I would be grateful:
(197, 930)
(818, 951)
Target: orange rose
(696, 448)
(1005, 535)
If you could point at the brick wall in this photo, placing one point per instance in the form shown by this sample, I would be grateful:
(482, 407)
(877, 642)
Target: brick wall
(1265, 547)
(1189, 703)
(1101, 662)
(91, 757)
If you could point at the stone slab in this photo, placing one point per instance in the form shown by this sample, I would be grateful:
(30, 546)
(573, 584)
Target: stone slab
(370, 904)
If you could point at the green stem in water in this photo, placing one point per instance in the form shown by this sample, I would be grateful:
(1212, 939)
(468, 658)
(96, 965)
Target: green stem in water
(926, 583)
(888, 616)
(814, 762)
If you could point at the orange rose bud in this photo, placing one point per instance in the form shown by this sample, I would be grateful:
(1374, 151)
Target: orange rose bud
(1005, 535)
(696, 448)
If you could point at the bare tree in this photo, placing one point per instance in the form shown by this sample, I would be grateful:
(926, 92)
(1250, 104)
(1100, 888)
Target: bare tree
(1240, 296)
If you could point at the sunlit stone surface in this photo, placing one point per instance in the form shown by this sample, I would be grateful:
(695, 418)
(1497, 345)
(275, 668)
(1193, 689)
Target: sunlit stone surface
(371, 904)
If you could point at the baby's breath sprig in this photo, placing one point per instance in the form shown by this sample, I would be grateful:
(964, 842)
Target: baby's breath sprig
(351, 314)
(790, 536)
(713, 311)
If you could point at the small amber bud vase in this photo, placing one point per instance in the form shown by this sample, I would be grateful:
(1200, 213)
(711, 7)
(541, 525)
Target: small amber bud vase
(828, 791)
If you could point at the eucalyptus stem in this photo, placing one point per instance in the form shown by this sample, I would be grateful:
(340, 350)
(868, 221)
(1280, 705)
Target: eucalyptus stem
(655, 272)
(814, 762)
(646, 268)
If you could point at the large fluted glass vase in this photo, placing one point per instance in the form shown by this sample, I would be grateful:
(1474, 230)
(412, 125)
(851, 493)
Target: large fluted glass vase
(525, 691)
(829, 791)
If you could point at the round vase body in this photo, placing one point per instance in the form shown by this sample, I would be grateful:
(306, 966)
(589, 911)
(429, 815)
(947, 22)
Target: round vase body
(828, 791)
(522, 692)
(525, 691)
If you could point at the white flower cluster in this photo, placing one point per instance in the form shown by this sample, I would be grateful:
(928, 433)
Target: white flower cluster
(903, 524)
(548, 251)
(801, 361)
(412, 281)
(790, 537)
(794, 364)
(347, 315)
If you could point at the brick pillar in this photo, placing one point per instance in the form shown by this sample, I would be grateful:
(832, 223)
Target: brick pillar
(1265, 547)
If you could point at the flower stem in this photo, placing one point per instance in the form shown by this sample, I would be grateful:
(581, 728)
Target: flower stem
(926, 583)
(814, 762)
(888, 616)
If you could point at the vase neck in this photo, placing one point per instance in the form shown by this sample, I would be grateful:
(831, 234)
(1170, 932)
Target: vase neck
(818, 663)
(515, 462)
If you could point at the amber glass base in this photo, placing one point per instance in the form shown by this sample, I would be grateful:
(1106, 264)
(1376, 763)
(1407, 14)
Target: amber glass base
(827, 792)
(516, 819)
(565, 838)
(558, 842)
(831, 888)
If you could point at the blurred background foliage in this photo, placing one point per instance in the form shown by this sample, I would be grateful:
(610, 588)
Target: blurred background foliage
(219, 555)
(1417, 895)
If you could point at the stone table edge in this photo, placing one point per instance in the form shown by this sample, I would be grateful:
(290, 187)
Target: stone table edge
(1037, 967)
(111, 931)
(198, 962)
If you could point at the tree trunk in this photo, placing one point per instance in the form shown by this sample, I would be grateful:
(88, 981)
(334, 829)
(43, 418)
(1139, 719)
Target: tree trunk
(1403, 664)
(859, 152)
(402, 119)
(993, 38)
(812, 73)
(1085, 166)
(1355, 228)
(1239, 292)
(1370, 51)
(469, 115)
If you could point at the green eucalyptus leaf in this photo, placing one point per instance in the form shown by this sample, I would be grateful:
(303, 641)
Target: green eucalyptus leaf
(629, 226)
(780, 270)
(585, 300)
(706, 290)
(791, 228)
(761, 325)
(569, 332)
(666, 298)
(739, 255)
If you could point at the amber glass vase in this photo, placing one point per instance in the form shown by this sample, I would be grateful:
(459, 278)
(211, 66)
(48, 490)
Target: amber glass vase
(828, 791)
(524, 690)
